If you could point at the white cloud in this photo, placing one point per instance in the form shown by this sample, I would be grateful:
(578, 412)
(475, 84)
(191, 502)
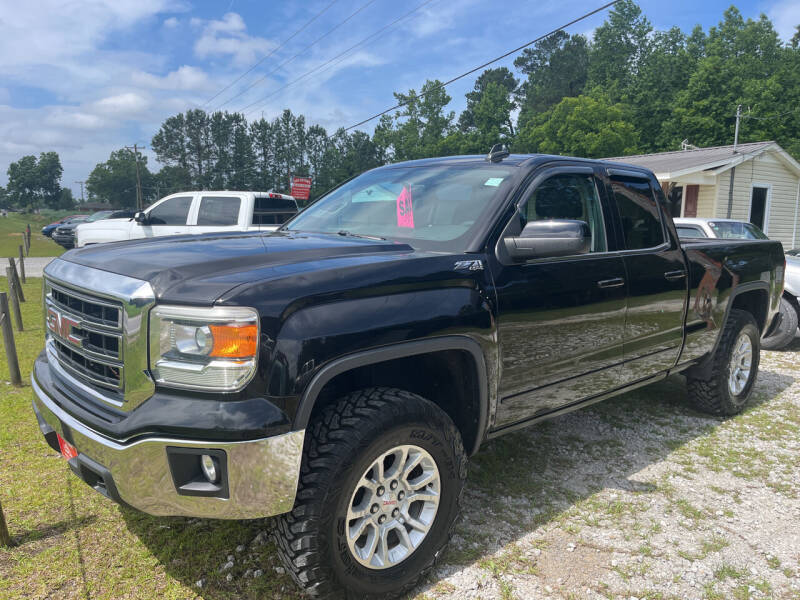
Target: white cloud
(785, 17)
(126, 105)
(185, 77)
(171, 23)
(228, 38)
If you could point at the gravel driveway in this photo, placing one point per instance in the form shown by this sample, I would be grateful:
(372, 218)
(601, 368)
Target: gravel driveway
(638, 497)
(34, 265)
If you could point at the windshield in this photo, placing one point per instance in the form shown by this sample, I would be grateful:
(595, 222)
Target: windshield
(99, 215)
(736, 230)
(431, 207)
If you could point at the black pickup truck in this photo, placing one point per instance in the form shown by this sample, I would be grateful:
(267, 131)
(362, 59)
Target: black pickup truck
(339, 372)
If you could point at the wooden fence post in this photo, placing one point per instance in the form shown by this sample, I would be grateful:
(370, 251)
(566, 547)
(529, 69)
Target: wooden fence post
(13, 298)
(5, 537)
(21, 294)
(25, 241)
(8, 341)
(22, 266)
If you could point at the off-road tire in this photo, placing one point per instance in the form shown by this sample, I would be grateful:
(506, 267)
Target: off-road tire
(340, 444)
(786, 331)
(708, 387)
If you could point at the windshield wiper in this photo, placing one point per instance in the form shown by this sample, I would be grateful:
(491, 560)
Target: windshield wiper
(346, 233)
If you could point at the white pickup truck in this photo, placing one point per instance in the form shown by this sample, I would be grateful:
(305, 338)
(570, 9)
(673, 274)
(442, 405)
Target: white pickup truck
(194, 213)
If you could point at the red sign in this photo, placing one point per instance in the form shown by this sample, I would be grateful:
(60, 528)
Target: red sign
(301, 187)
(68, 451)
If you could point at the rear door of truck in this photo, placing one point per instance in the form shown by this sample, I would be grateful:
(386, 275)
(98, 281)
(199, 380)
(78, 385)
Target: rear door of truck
(656, 274)
(220, 213)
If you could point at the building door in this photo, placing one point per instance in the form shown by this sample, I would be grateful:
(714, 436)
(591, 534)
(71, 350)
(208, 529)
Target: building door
(758, 207)
(690, 210)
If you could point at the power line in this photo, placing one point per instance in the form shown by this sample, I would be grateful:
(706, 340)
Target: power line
(486, 64)
(328, 62)
(274, 50)
(316, 41)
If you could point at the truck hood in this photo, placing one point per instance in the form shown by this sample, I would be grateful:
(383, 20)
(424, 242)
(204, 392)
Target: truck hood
(199, 269)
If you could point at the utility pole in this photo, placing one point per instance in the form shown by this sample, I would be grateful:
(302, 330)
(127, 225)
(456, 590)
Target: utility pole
(135, 149)
(736, 131)
(81, 184)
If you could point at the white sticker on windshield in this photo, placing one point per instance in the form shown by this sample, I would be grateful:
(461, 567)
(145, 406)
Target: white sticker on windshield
(494, 181)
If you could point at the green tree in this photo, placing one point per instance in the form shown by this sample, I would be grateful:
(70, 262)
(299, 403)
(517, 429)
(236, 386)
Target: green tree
(620, 44)
(501, 78)
(418, 128)
(168, 180)
(663, 73)
(556, 67)
(114, 181)
(23, 182)
(744, 63)
(66, 199)
(585, 126)
(49, 171)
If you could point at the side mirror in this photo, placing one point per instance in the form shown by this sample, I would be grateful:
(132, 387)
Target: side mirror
(549, 239)
(141, 218)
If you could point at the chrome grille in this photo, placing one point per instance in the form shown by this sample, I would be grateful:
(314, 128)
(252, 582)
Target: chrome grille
(86, 334)
(91, 310)
(100, 347)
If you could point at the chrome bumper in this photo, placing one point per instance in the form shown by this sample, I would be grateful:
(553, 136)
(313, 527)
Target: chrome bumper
(262, 474)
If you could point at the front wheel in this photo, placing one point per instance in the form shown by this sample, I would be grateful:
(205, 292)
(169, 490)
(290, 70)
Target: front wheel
(723, 386)
(379, 489)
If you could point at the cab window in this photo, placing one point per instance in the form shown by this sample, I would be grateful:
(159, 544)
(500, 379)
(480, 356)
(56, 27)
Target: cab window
(641, 220)
(568, 196)
(174, 211)
(219, 210)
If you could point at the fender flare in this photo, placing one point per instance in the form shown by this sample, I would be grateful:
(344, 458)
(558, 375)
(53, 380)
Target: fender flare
(395, 351)
(737, 291)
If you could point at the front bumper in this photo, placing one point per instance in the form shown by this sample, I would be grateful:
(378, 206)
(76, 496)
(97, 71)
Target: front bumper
(261, 475)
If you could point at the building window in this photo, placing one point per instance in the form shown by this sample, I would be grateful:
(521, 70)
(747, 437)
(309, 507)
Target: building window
(758, 207)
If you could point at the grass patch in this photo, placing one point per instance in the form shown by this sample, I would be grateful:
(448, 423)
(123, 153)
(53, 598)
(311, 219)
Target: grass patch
(12, 226)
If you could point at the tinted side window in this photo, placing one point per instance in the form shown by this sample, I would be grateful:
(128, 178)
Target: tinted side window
(686, 232)
(174, 211)
(568, 196)
(273, 211)
(638, 211)
(218, 210)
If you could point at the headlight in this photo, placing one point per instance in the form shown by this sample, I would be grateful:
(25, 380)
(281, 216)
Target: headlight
(211, 349)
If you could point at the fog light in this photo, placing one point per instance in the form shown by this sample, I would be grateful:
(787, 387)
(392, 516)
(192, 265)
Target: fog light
(209, 465)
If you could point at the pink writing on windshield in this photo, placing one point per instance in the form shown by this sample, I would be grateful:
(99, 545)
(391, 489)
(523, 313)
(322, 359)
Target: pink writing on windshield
(405, 210)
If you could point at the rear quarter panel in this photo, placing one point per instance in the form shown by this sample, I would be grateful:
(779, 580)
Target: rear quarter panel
(719, 270)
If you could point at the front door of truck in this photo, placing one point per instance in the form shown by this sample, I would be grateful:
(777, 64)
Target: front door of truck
(561, 319)
(656, 275)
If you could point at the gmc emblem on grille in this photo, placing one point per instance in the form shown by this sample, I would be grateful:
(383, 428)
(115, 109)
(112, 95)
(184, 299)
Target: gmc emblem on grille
(62, 326)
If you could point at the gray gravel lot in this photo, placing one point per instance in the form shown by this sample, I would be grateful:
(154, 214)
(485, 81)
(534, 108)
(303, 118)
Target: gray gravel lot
(34, 265)
(638, 497)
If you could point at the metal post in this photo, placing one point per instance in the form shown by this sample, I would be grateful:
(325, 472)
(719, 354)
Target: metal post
(5, 537)
(14, 298)
(22, 266)
(16, 278)
(8, 341)
(736, 131)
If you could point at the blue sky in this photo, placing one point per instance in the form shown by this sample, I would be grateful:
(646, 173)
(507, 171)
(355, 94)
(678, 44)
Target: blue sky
(85, 78)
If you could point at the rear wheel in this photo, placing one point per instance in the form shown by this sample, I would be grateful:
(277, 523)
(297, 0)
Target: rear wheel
(723, 386)
(379, 488)
(787, 329)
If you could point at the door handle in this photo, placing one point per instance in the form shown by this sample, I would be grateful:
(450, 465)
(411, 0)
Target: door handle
(611, 283)
(674, 275)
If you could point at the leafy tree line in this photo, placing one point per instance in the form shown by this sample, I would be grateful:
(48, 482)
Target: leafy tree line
(36, 183)
(630, 89)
